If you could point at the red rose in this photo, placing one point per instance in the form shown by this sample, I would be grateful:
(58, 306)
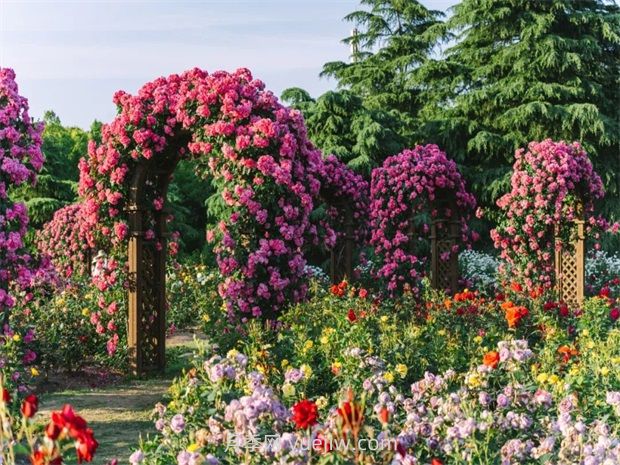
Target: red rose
(53, 431)
(614, 314)
(305, 414)
(384, 416)
(86, 446)
(351, 316)
(6, 396)
(604, 292)
(30, 406)
(363, 293)
(563, 311)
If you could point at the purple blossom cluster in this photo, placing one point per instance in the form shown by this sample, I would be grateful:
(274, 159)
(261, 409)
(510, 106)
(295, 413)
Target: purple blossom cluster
(406, 186)
(549, 180)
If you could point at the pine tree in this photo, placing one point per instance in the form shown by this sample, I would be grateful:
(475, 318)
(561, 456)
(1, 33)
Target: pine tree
(524, 70)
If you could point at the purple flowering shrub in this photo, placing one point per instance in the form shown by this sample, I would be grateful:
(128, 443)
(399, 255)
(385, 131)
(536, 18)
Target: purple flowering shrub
(548, 181)
(403, 204)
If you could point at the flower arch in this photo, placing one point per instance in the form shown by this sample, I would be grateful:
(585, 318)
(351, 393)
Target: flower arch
(257, 153)
(413, 193)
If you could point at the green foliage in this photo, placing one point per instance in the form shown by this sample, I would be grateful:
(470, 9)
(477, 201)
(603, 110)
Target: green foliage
(521, 71)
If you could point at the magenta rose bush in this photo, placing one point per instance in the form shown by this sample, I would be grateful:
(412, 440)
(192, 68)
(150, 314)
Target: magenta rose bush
(548, 181)
(341, 189)
(64, 240)
(402, 193)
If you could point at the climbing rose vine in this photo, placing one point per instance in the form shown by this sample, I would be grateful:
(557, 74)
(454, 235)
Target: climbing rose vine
(342, 188)
(20, 159)
(547, 181)
(259, 156)
(402, 194)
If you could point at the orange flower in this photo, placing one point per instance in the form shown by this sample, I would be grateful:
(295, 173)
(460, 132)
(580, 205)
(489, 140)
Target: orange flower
(384, 416)
(567, 352)
(491, 359)
(516, 287)
(514, 314)
(447, 303)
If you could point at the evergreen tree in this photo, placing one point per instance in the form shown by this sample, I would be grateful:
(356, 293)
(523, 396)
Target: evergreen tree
(339, 123)
(524, 70)
(390, 41)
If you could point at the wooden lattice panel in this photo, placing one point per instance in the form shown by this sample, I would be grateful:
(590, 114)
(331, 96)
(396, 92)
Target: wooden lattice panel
(570, 269)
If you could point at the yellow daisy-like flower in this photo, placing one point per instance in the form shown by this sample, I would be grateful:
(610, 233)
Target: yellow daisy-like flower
(232, 353)
(193, 447)
(441, 332)
(478, 339)
(85, 311)
(554, 379)
(574, 370)
(384, 319)
(324, 340)
(308, 345)
(285, 363)
(288, 390)
(306, 370)
(590, 345)
(542, 377)
(401, 369)
(321, 402)
(585, 332)
(34, 372)
(206, 318)
(389, 377)
(17, 337)
(604, 371)
(473, 380)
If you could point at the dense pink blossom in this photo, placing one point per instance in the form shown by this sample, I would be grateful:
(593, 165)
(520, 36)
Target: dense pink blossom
(547, 182)
(268, 173)
(403, 191)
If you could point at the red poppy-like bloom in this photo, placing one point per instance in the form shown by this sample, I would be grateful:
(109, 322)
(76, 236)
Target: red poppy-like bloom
(305, 414)
(86, 446)
(516, 287)
(491, 359)
(30, 406)
(85, 442)
(384, 416)
(436, 461)
(351, 316)
(6, 396)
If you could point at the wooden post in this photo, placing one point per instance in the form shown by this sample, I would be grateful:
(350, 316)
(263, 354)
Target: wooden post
(341, 256)
(570, 267)
(444, 236)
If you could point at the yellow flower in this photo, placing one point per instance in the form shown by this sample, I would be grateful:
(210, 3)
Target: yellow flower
(478, 339)
(16, 337)
(574, 370)
(384, 319)
(604, 371)
(193, 447)
(401, 369)
(585, 332)
(553, 379)
(321, 402)
(590, 345)
(306, 370)
(288, 390)
(441, 332)
(260, 368)
(284, 363)
(206, 318)
(34, 372)
(232, 353)
(473, 380)
(388, 376)
(85, 312)
(542, 377)
(324, 340)
(308, 345)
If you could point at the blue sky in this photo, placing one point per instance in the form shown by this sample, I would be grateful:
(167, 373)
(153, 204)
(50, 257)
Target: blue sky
(72, 55)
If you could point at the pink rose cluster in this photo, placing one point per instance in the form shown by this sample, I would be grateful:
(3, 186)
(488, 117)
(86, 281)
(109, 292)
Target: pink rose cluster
(258, 153)
(63, 239)
(342, 188)
(20, 159)
(403, 193)
(548, 181)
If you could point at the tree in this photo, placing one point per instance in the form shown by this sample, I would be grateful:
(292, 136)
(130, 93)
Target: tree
(526, 70)
(339, 123)
(391, 40)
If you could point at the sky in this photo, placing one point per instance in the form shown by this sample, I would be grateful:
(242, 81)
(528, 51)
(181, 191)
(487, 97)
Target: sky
(71, 56)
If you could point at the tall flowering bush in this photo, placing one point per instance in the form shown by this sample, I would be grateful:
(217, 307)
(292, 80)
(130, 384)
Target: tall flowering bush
(402, 194)
(64, 240)
(20, 159)
(548, 180)
(256, 150)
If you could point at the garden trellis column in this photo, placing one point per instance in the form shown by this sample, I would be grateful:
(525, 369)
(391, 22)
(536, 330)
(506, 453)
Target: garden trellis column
(570, 263)
(341, 257)
(147, 265)
(444, 239)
